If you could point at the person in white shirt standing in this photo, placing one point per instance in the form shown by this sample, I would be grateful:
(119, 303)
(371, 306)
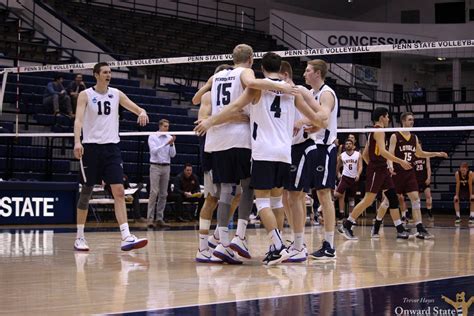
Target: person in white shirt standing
(161, 151)
(97, 116)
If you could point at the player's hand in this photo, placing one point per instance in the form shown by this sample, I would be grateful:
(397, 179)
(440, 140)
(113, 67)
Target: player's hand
(298, 125)
(188, 194)
(143, 118)
(456, 199)
(242, 118)
(202, 126)
(171, 141)
(290, 89)
(356, 179)
(442, 155)
(339, 176)
(428, 181)
(311, 129)
(391, 171)
(78, 150)
(405, 165)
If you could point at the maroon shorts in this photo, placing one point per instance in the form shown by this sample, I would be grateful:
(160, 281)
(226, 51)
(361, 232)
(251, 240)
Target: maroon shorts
(464, 195)
(405, 181)
(347, 185)
(377, 179)
(422, 186)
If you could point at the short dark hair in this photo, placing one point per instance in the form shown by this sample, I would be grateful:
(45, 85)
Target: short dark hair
(57, 77)
(286, 67)
(349, 140)
(97, 67)
(271, 62)
(187, 165)
(222, 67)
(163, 121)
(378, 112)
(405, 114)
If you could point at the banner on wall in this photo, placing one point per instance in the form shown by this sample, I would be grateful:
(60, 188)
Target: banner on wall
(38, 202)
(351, 38)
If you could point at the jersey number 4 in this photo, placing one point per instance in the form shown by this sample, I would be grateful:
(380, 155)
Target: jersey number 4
(275, 106)
(223, 93)
(105, 110)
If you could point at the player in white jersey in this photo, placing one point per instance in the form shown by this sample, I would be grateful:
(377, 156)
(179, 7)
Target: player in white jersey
(272, 118)
(294, 194)
(323, 162)
(230, 148)
(97, 116)
(351, 164)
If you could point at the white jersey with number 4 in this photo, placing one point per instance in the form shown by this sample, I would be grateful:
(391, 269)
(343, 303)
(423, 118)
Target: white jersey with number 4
(101, 117)
(227, 87)
(272, 120)
(350, 164)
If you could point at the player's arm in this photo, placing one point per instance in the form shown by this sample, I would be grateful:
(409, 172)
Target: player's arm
(380, 140)
(365, 153)
(132, 107)
(318, 119)
(391, 149)
(248, 80)
(200, 93)
(458, 186)
(78, 122)
(428, 154)
(205, 110)
(428, 171)
(338, 166)
(470, 178)
(228, 112)
(359, 169)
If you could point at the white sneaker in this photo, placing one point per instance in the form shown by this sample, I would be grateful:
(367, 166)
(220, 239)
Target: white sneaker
(226, 254)
(81, 244)
(240, 246)
(133, 242)
(205, 256)
(296, 255)
(213, 241)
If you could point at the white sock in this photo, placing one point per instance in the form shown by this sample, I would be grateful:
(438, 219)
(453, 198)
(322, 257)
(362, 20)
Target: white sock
(216, 232)
(224, 236)
(397, 222)
(203, 242)
(241, 228)
(471, 214)
(276, 238)
(299, 241)
(418, 222)
(80, 231)
(124, 230)
(329, 237)
(351, 219)
(378, 218)
(458, 214)
(404, 213)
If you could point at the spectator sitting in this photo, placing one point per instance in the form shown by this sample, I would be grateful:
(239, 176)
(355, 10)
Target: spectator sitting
(73, 89)
(185, 188)
(133, 198)
(56, 96)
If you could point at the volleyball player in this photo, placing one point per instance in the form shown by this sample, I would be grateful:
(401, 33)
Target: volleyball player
(464, 178)
(97, 116)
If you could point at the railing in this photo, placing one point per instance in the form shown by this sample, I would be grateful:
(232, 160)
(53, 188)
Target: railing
(235, 15)
(287, 36)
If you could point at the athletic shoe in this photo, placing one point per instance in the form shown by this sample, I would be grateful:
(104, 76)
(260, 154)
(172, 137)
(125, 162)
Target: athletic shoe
(325, 253)
(275, 256)
(205, 256)
(424, 234)
(404, 220)
(133, 242)
(471, 220)
(403, 235)
(346, 230)
(296, 255)
(81, 244)
(226, 254)
(240, 246)
(213, 242)
(458, 220)
(374, 232)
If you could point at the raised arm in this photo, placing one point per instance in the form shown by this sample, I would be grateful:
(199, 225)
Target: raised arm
(132, 107)
(428, 154)
(197, 98)
(248, 80)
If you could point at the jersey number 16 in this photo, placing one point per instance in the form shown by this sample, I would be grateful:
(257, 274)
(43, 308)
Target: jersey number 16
(106, 110)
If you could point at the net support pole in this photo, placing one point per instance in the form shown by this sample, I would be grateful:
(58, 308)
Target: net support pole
(2, 90)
